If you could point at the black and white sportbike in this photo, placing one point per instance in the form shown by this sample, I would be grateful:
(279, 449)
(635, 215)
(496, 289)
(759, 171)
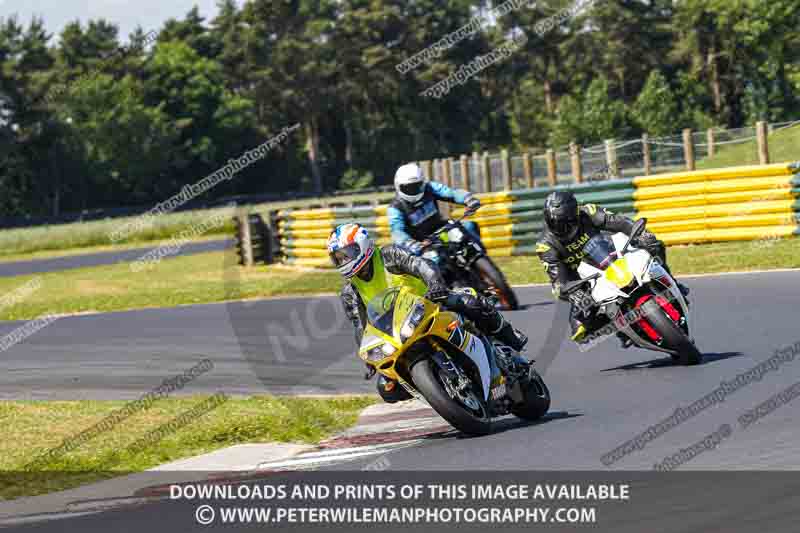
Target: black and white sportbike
(465, 263)
(635, 295)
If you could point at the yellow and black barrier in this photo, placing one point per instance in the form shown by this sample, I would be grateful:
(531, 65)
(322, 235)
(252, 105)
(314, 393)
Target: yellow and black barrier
(738, 203)
(728, 204)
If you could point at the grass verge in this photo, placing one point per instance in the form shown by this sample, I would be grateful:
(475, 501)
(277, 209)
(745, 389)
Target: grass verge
(31, 428)
(20, 243)
(49, 254)
(783, 147)
(202, 278)
(85, 237)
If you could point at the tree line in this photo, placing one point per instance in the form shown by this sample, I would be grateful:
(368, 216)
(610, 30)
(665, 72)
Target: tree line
(90, 118)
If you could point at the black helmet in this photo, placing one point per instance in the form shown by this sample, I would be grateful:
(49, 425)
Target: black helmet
(561, 214)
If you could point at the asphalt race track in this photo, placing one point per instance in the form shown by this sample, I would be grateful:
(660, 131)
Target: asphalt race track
(56, 264)
(601, 398)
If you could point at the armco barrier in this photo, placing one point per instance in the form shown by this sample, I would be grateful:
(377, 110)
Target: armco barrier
(729, 204)
(510, 221)
(740, 203)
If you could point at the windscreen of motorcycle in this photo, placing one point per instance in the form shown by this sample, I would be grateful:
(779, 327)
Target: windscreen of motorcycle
(600, 251)
(380, 310)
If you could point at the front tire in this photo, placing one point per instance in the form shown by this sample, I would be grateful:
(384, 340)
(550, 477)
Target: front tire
(492, 277)
(424, 373)
(674, 337)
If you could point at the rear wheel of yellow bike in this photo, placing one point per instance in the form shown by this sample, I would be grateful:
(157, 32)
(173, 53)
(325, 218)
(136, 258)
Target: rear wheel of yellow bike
(465, 410)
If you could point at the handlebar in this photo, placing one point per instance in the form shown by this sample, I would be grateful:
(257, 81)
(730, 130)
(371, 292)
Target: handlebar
(638, 228)
(450, 224)
(573, 286)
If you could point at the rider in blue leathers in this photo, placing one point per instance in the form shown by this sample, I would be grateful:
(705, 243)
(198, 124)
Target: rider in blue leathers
(414, 214)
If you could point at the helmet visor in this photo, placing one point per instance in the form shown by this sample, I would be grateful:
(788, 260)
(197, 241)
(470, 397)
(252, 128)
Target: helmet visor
(564, 226)
(344, 255)
(412, 189)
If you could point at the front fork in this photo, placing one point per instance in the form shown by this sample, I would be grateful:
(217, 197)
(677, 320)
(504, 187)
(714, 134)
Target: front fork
(456, 376)
(657, 286)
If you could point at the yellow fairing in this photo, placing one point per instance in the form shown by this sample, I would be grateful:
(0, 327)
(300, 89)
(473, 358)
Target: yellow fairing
(619, 273)
(434, 324)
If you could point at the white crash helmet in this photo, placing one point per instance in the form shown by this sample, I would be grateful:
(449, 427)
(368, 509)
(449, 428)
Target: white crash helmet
(409, 183)
(350, 247)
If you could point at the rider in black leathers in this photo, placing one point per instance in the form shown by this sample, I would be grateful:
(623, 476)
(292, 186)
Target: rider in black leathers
(568, 227)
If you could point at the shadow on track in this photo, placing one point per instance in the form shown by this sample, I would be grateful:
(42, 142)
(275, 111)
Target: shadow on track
(524, 307)
(512, 422)
(667, 361)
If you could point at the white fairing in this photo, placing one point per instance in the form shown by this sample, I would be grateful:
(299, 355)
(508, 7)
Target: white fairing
(476, 351)
(455, 235)
(602, 289)
(646, 270)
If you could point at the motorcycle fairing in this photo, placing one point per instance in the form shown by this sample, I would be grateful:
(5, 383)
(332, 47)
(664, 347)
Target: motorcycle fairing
(475, 350)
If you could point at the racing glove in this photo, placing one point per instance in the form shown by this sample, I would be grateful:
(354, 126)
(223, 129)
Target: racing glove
(472, 204)
(645, 239)
(414, 247)
(437, 293)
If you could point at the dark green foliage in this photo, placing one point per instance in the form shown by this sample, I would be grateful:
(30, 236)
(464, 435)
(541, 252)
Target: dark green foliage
(93, 119)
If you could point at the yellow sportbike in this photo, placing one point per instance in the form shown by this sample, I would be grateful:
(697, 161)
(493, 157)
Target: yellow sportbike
(438, 356)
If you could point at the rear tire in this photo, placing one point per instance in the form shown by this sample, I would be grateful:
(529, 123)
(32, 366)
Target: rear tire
(537, 399)
(492, 276)
(425, 380)
(674, 337)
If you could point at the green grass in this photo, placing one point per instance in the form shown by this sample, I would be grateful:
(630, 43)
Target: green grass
(47, 254)
(690, 259)
(19, 243)
(77, 237)
(200, 278)
(31, 428)
(784, 147)
(213, 277)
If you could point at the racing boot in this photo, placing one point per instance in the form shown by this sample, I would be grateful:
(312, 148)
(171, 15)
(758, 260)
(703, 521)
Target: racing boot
(489, 320)
(684, 290)
(510, 336)
(579, 335)
(576, 325)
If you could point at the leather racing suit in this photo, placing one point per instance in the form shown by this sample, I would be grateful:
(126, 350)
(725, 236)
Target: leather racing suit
(562, 257)
(392, 266)
(412, 223)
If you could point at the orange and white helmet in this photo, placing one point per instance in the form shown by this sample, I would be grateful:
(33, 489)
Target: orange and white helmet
(350, 247)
